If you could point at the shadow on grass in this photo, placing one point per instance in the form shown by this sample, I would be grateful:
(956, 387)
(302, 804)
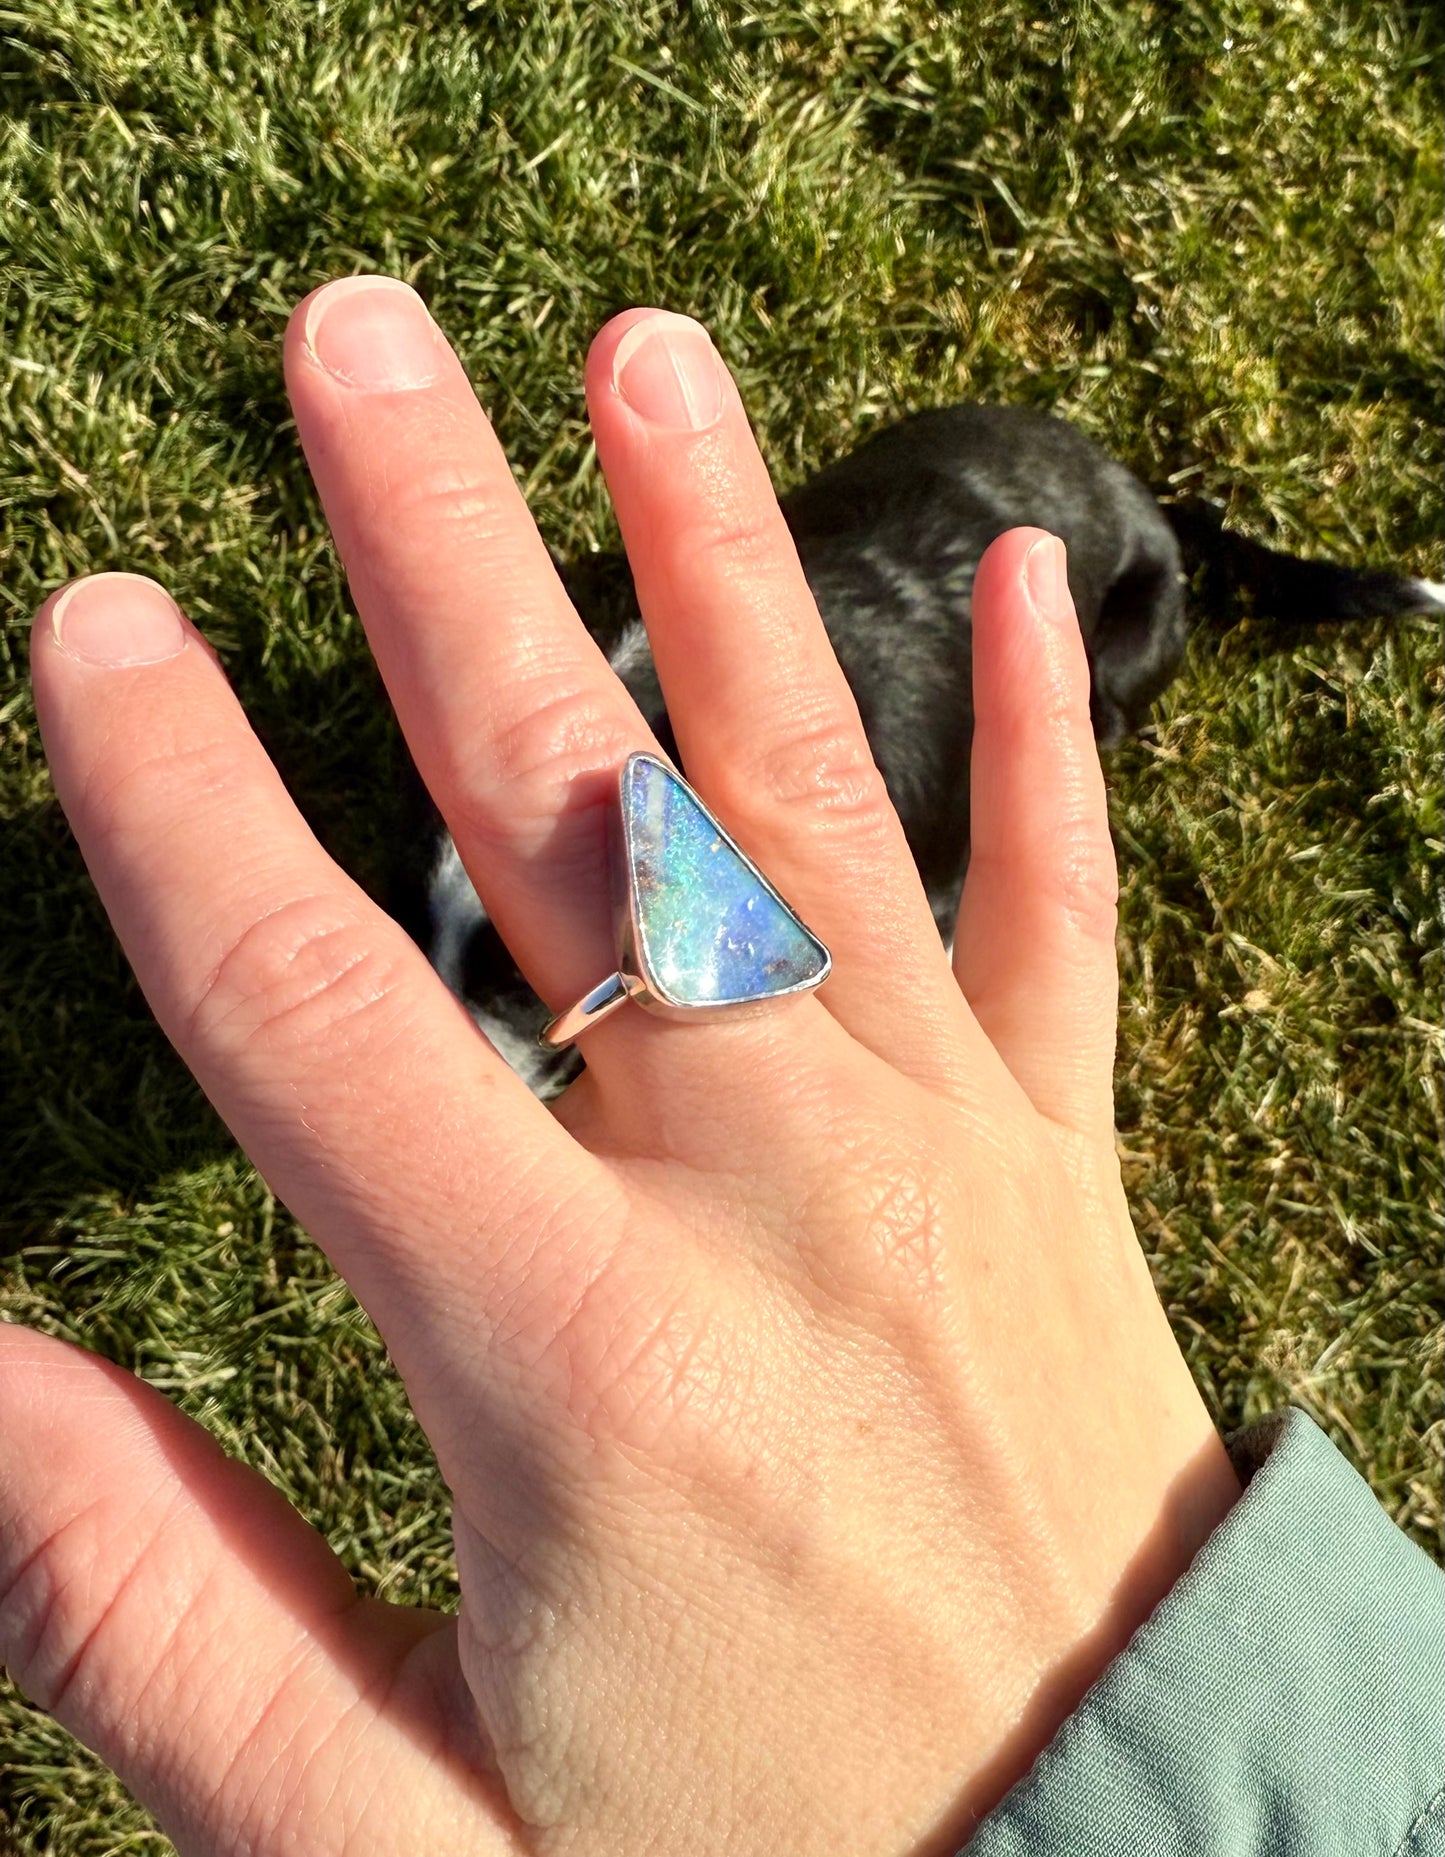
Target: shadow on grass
(95, 1102)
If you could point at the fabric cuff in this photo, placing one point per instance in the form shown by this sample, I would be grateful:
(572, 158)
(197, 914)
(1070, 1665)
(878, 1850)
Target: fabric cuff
(1286, 1698)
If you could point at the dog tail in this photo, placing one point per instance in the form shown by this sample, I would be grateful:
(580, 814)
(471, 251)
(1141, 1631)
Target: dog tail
(1239, 572)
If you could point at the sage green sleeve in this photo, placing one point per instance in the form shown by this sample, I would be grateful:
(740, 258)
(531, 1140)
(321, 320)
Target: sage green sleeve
(1286, 1699)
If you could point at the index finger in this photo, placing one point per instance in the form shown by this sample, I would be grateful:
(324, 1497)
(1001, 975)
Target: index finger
(355, 1082)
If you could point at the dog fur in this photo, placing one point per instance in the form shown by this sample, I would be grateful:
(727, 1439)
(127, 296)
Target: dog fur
(890, 538)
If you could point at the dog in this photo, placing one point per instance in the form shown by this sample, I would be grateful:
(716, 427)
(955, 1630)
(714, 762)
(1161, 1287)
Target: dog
(890, 538)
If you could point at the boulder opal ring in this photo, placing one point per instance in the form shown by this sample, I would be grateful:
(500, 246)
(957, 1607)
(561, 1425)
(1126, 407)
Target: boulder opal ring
(700, 930)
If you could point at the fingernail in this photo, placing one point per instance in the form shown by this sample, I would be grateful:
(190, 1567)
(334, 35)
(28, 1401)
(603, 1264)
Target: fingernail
(669, 373)
(117, 620)
(1046, 574)
(374, 334)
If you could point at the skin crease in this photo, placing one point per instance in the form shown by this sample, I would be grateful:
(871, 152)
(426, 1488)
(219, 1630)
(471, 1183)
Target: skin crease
(814, 1432)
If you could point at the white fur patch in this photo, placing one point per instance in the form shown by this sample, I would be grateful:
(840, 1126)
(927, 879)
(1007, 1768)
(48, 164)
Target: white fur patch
(630, 651)
(1433, 590)
(456, 911)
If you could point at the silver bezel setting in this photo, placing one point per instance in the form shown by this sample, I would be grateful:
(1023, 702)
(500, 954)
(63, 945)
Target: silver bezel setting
(634, 978)
(643, 985)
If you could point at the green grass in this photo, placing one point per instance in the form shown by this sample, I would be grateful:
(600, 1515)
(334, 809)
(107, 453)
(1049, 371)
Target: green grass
(1207, 230)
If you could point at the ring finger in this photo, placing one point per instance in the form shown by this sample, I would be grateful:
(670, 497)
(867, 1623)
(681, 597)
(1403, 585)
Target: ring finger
(764, 718)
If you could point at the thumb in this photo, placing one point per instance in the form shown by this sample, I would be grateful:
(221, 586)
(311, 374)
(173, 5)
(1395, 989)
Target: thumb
(167, 1606)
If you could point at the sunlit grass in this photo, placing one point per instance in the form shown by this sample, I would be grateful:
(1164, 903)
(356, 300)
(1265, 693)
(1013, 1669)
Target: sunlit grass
(1208, 232)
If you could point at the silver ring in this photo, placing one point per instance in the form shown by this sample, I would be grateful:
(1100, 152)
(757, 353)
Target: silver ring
(700, 930)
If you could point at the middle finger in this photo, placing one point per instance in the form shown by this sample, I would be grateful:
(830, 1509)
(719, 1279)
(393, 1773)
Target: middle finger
(515, 719)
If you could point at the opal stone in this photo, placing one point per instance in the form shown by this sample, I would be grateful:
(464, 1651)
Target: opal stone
(710, 928)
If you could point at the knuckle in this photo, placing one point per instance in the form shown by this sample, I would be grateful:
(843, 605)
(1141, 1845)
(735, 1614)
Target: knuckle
(895, 1263)
(444, 497)
(660, 1383)
(902, 1249)
(628, 1349)
(904, 1232)
(742, 546)
(559, 733)
(1086, 880)
(148, 791)
(550, 762)
(611, 1348)
(822, 765)
(56, 1610)
(444, 510)
(311, 974)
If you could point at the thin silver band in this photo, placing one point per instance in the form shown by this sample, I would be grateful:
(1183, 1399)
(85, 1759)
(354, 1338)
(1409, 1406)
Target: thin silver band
(613, 992)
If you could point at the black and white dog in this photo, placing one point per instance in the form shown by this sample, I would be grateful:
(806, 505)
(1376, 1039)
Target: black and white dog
(890, 538)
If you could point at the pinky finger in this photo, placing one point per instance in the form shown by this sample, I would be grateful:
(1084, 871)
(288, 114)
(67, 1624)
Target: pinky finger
(1034, 951)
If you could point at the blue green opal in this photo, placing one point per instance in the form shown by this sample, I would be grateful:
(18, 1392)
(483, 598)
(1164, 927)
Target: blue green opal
(711, 930)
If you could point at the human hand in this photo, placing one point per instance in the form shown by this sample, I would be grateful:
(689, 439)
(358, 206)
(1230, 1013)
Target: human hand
(813, 1430)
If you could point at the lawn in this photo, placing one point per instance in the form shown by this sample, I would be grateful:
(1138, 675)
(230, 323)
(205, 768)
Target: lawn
(1208, 231)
